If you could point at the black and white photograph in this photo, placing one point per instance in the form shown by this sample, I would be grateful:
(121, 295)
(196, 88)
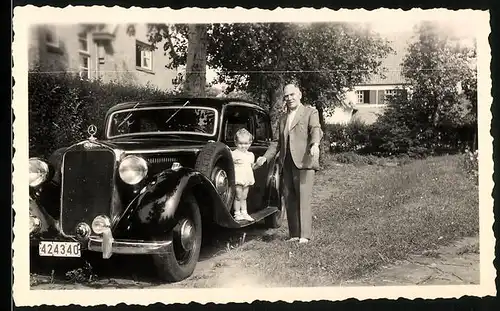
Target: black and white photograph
(234, 155)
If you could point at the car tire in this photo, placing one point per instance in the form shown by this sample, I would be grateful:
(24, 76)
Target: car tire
(275, 220)
(178, 264)
(216, 163)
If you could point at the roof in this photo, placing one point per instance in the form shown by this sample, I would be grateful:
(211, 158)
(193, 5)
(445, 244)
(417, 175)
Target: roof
(211, 102)
(392, 65)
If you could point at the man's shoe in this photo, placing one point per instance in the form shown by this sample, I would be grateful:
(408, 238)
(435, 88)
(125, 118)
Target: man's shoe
(294, 239)
(303, 240)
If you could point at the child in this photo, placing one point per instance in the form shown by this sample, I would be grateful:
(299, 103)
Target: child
(243, 170)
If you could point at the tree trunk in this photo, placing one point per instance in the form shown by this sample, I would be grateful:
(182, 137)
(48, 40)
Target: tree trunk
(321, 116)
(324, 149)
(276, 105)
(196, 62)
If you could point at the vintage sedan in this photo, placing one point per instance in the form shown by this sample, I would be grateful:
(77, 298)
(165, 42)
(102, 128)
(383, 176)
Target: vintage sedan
(157, 175)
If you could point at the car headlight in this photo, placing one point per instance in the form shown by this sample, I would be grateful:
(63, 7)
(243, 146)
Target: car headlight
(101, 224)
(39, 171)
(35, 224)
(133, 169)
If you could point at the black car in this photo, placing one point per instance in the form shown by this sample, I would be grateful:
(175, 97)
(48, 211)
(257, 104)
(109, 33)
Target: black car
(161, 172)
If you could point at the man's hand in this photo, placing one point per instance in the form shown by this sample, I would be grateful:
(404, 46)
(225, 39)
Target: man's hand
(314, 150)
(260, 161)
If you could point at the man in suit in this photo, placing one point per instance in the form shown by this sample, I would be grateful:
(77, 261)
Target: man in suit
(298, 140)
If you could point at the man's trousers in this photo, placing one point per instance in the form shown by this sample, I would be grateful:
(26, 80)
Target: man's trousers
(297, 191)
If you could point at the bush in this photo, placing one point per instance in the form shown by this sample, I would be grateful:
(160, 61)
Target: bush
(407, 128)
(62, 106)
(354, 136)
(470, 163)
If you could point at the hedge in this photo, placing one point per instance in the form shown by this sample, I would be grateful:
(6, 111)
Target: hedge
(393, 139)
(62, 106)
(354, 136)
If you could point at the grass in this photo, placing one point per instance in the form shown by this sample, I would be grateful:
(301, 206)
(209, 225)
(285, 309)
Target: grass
(469, 249)
(369, 215)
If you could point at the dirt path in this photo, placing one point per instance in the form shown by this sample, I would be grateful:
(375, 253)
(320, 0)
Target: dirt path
(453, 264)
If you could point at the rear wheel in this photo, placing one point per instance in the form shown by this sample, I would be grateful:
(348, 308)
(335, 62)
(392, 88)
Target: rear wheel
(275, 220)
(180, 262)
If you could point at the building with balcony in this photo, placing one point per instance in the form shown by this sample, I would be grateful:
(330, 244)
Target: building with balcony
(119, 53)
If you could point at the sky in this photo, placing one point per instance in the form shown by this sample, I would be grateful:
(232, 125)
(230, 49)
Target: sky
(456, 26)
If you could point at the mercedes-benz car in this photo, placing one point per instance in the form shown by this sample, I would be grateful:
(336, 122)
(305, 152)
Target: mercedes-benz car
(149, 181)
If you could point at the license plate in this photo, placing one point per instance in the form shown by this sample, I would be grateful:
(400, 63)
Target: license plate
(59, 249)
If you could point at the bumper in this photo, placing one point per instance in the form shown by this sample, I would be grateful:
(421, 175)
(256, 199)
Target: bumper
(126, 247)
(130, 246)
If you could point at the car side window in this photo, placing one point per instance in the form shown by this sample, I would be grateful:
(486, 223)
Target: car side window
(262, 128)
(235, 119)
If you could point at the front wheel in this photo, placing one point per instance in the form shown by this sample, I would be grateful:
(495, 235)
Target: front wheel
(180, 262)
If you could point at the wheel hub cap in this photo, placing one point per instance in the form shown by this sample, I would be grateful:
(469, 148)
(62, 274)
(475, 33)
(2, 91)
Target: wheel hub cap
(187, 234)
(221, 182)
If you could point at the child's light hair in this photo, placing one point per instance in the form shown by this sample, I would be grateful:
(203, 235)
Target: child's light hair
(243, 132)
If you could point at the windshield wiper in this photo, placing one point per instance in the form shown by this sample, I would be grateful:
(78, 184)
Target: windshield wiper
(173, 115)
(127, 117)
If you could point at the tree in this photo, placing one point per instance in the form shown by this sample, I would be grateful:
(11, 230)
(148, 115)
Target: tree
(437, 111)
(196, 60)
(186, 45)
(322, 58)
(259, 58)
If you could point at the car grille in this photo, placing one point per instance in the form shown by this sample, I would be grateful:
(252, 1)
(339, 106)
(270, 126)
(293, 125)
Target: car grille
(160, 160)
(87, 187)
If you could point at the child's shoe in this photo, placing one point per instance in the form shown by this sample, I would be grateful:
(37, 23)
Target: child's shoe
(238, 216)
(247, 217)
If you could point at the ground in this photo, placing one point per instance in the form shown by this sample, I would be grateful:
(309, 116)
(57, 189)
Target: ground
(383, 224)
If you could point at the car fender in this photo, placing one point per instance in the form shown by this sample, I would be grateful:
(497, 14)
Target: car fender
(150, 215)
(48, 227)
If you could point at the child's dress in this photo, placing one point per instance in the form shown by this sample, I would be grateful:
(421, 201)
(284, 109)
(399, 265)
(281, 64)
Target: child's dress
(243, 171)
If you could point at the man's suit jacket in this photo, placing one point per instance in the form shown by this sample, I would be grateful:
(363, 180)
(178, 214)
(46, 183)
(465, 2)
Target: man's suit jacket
(305, 130)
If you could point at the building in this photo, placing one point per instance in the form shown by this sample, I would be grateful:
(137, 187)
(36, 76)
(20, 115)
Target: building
(119, 53)
(368, 99)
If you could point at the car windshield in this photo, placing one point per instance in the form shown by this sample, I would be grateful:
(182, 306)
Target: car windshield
(154, 120)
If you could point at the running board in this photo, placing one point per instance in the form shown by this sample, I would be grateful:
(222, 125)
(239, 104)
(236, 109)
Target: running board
(258, 216)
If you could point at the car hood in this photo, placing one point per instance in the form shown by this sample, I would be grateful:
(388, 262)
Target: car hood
(151, 144)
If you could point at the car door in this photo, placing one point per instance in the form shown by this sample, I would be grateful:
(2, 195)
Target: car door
(262, 139)
(235, 118)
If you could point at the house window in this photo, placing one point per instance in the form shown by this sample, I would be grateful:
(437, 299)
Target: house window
(363, 97)
(84, 66)
(83, 42)
(359, 97)
(51, 37)
(143, 56)
(389, 94)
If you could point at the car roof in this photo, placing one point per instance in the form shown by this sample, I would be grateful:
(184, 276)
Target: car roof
(211, 102)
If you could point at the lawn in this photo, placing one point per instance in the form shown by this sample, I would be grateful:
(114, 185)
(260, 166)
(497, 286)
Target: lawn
(369, 215)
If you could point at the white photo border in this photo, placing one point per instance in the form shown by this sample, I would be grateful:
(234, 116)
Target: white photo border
(27, 15)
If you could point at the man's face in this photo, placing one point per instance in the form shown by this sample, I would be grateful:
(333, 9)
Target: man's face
(291, 96)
